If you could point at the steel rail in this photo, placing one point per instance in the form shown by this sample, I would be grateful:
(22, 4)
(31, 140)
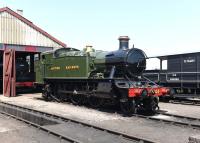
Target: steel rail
(60, 136)
(180, 116)
(172, 122)
(192, 102)
(65, 119)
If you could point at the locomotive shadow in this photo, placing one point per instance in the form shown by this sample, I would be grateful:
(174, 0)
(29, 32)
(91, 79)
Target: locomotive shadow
(110, 109)
(39, 98)
(106, 108)
(162, 111)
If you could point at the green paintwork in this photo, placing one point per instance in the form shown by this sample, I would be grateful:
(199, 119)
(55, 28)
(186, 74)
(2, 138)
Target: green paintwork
(68, 67)
(63, 63)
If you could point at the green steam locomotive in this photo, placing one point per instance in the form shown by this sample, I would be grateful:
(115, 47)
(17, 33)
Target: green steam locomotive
(98, 77)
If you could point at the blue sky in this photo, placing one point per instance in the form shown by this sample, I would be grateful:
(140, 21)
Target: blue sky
(158, 27)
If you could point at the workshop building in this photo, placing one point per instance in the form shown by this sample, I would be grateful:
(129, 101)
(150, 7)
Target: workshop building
(21, 42)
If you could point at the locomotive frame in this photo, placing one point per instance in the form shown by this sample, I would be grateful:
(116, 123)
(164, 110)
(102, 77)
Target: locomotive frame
(81, 77)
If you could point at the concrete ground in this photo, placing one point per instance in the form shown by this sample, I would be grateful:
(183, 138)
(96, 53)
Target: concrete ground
(184, 110)
(13, 131)
(158, 132)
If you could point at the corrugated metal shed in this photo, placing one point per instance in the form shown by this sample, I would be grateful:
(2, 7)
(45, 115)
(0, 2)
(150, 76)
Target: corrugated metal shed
(17, 30)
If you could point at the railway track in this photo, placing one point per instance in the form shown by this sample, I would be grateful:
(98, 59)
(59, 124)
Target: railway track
(173, 119)
(50, 132)
(8, 109)
(185, 102)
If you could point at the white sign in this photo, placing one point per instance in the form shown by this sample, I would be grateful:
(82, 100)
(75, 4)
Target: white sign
(189, 61)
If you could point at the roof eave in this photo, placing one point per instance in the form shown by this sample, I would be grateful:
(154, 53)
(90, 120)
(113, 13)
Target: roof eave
(32, 25)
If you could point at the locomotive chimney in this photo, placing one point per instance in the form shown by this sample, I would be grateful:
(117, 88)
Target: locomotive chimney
(123, 42)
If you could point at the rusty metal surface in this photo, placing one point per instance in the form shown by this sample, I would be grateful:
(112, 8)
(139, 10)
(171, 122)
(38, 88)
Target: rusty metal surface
(9, 74)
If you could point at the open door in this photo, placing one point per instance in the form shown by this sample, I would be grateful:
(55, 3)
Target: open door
(9, 73)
